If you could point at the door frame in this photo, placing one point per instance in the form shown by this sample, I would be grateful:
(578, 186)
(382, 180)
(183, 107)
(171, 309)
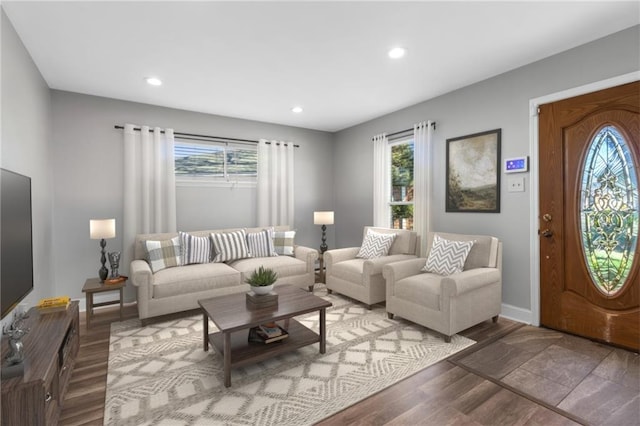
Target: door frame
(534, 196)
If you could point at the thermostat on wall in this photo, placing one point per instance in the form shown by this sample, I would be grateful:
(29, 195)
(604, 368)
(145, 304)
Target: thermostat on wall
(516, 165)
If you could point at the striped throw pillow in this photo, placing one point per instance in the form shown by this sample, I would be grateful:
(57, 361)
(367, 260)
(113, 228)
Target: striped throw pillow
(447, 257)
(195, 249)
(230, 246)
(375, 245)
(283, 242)
(260, 244)
(163, 254)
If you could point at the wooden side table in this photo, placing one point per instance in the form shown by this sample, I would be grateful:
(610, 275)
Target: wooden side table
(92, 286)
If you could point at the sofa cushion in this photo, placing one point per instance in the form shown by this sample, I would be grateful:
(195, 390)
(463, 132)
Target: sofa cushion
(375, 245)
(195, 249)
(163, 254)
(194, 278)
(421, 289)
(447, 257)
(284, 242)
(284, 266)
(260, 244)
(230, 246)
(349, 270)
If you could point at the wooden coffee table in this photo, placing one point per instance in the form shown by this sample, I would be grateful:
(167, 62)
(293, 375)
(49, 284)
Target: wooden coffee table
(234, 317)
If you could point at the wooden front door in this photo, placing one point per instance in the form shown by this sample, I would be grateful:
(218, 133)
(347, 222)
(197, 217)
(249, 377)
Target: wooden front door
(589, 152)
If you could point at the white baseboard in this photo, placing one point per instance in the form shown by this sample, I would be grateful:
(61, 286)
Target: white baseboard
(515, 313)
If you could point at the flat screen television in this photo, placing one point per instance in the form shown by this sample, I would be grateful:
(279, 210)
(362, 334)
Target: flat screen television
(16, 243)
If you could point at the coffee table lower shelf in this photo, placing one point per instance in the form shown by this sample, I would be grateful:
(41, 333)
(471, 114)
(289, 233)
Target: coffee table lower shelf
(244, 352)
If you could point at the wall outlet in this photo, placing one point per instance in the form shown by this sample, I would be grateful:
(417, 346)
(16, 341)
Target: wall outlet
(515, 184)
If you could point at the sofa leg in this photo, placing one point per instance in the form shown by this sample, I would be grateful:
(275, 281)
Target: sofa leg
(329, 291)
(495, 319)
(311, 289)
(144, 322)
(447, 339)
(368, 307)
(389, 315)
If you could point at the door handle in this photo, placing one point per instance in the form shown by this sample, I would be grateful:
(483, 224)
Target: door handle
(547, 233)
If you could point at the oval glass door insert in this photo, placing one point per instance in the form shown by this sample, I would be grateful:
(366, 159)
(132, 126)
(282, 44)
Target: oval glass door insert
(609, 210)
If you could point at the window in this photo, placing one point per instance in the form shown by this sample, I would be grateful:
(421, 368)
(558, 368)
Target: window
(401, 203)
(215, 162)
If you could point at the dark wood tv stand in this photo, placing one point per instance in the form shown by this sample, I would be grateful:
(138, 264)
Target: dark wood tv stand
(50, 349)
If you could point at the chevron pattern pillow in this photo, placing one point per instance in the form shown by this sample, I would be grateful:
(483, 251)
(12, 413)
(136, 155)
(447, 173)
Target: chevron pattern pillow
(230, 245)
(195, 249)
(447, 257)
(375, 245)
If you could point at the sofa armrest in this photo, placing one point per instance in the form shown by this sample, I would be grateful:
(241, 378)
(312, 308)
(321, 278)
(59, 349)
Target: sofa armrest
(339, 255)
(141, 277)
(307, 255)
(374, 266)
(396, 271)
(466, 281)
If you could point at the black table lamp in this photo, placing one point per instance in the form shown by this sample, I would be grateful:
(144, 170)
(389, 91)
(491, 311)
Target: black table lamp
(100, 229)
(323, 218)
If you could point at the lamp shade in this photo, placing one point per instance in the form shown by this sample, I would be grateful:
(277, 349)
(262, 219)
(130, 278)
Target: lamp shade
(323, 218)
(102, 228)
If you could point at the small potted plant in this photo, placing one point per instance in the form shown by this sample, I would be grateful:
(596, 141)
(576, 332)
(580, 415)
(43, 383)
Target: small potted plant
(262, 279)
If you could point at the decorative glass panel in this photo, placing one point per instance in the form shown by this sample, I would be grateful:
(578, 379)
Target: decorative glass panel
(609, 210)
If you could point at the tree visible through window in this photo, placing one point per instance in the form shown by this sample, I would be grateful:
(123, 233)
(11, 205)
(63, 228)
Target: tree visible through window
(401, 204)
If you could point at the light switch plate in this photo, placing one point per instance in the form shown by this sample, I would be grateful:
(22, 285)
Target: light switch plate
(515, 184)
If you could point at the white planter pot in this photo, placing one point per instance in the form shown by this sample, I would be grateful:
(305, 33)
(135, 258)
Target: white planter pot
(263, 289)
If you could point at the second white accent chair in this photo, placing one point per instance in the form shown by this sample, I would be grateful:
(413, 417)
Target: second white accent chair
(361, 278)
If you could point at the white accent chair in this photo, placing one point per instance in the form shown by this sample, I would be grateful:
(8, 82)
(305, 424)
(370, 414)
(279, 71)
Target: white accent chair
(362, 279)
(448, 304)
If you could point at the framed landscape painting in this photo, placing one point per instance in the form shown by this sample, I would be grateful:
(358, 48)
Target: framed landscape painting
(473, 173)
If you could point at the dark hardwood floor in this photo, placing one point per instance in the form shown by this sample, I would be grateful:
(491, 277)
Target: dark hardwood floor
(445, 393)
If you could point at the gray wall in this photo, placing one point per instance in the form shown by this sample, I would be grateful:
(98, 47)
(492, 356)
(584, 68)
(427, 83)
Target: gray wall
(26, 149)
(500, 102)
(87, 154)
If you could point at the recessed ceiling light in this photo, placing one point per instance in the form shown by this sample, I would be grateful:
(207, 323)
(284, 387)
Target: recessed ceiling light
(154, 81)
(296, 109)
(397, 52)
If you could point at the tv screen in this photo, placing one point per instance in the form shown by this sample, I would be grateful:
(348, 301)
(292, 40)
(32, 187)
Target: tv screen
(16, 246)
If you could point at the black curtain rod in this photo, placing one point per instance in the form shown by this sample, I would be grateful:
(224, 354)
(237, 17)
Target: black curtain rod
(390, 135)
(195, 136)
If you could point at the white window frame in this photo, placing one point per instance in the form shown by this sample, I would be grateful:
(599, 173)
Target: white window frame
(217, 181)
(390, 204)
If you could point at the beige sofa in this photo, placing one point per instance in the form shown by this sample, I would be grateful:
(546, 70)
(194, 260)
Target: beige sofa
(179, 288)
(362, 279)
(448, 304)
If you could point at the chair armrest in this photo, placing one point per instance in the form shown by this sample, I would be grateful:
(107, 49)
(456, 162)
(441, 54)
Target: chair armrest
(396, 271)
(339, 255)
(141, 276)
(308, 255)
(466, 281)
(374, 266)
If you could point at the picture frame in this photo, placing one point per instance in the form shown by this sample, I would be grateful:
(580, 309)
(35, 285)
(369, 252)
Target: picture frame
(473, 173)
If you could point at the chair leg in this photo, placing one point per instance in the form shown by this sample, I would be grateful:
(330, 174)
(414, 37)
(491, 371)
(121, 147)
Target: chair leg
(368, 307)
(329, 291)
(495, 319)
(447, 339)
(311, 289)
(389, 315)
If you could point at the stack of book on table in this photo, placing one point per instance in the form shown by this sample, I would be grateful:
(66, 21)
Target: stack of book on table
(53, 304)
(267, 333)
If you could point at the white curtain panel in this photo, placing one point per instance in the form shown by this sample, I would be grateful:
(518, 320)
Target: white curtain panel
(149, 185)
(381, 182)
(422, 155)
(275, 183)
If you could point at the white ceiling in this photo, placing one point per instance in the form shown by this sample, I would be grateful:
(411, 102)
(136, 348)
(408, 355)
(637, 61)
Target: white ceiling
(256, 60)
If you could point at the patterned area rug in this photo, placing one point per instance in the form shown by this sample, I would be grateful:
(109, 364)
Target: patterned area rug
(160, 375)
